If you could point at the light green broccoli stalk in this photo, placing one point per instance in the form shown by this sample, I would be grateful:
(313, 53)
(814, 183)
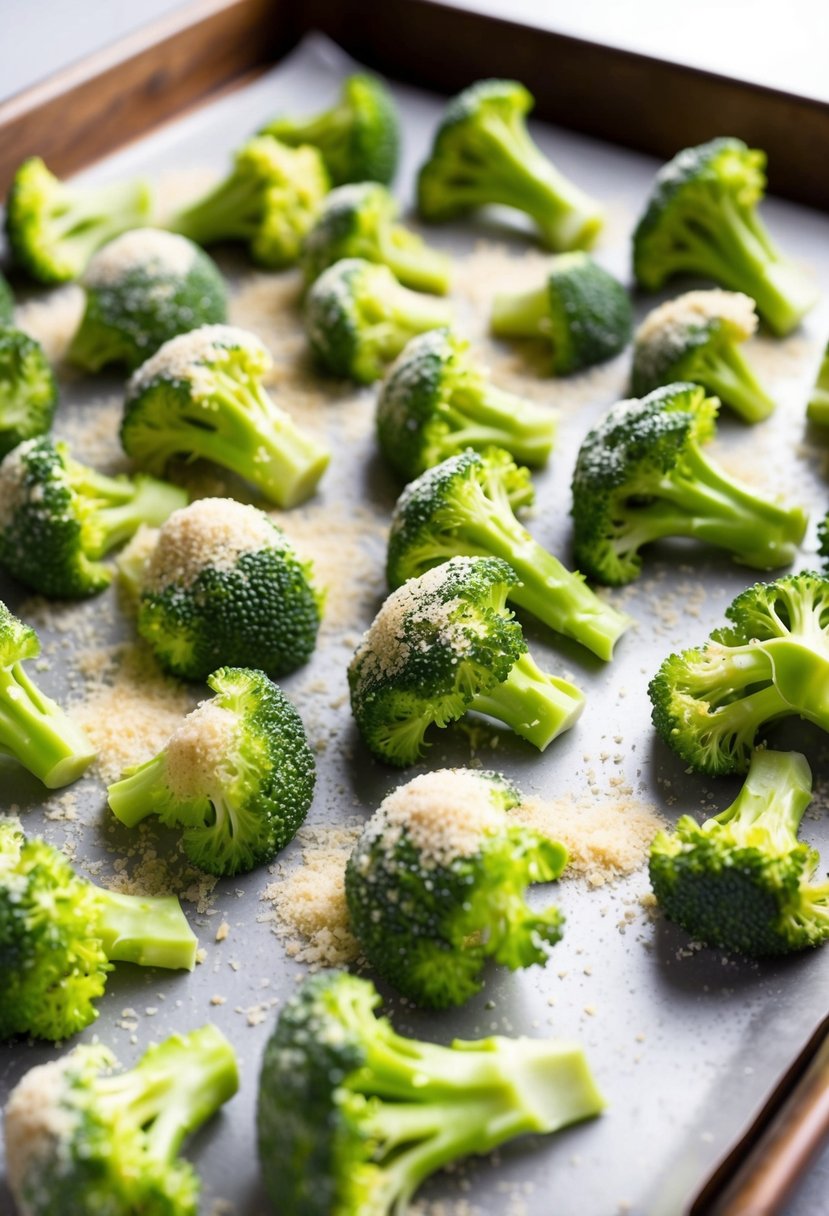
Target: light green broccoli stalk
(436, 401)
(482, 154)
(352, 1117)
(82, 1136)
(358, 138)
(28, 389)
(237, 775)
(202, 394)
(60, 934)
(818, 407)
(54, 229)
(268, 202)
(580, 309)
(436, 882)
(701, 219)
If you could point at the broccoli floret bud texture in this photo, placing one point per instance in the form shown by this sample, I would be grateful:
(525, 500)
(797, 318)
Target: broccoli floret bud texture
(435, 886)
(84, 1137)
(60, 934)
(54, 229)
(818, 407)
(701, 219)
(436, 402)
(482, 154)
(642, 474)
(443, 644)
(353, 1117)
(743, 880)
(358, 138)
(580, 309)
(202, 394)
(359, 221)
(359, 318)
(223, 585)
(772, 661)
(465, 505)
(237, 776)
(28, 390)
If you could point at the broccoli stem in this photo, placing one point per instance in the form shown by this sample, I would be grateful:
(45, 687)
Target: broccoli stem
(726, 373)
(522, 314)
(231, 211)
(133, 797)
(401, 315)
(414, 264)
(800, 670)
(773, 799)
(483, 416)
(325, 131)
(118, 506)
(149, 930)
(37, 732)
(537, 706)
(85, 218)
(818, 407)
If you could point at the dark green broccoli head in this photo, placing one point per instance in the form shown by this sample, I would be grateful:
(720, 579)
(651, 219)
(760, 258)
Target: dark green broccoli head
(6, 303)
(435, 886)
(742, 880)
(28, 389)
(223, 586)
(54, 229)
(142, 289)
(359, 137)
(237, 775)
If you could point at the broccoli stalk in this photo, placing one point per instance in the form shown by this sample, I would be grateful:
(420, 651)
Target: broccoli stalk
(151, 931)
(818, 407)
(114, 508)
(536, 705)
(727, 374)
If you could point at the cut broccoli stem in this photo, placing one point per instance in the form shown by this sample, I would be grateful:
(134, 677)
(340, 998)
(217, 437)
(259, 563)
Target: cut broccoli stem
(800, 670)
(37, 732)
(491, 417)
(401, 316)
(149, 930)
(325, 130)
(124, 505)
(523, 314)
(231, 212)
(132, 798)
(776, 793)
(414, 264)
(87, 218)
(726, 372)
(537, 706)
(818, 408)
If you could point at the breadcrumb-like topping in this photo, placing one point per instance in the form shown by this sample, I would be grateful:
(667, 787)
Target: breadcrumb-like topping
(196, 751)
(697, 309)
(150, 249)
(212, 532)
(188, 356)
(36, 1119)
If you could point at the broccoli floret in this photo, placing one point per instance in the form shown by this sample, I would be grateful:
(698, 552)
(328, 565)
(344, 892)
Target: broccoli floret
(443, 644)
(465, 505)
(701, 219)
(435, 886)
(358, 138)
(482, 154)
(696, 338)
(437, 401)
(223, 586)
(6, 303)
(60, 934)
(269, 201)
(358, 221)
(34, 730)
(641, 475)
(352, 1117)
(54, 229)
(742, 880)
(142, 289)
(772, 662)
(202, 394)
(237, 775)
(581, 310)
(818, 407)
(58, 517)
(28, 390)
(84, 1137)
(359, 318)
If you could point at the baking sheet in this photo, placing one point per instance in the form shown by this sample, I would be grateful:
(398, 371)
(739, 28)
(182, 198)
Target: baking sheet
(684, 1044)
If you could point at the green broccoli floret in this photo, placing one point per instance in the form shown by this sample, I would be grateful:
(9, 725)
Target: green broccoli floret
(437, 401)
(466, 506)
(60, 934)
(436, 882)
(359, 318)
(358, 138)
(223, 586)
(237, 775)
(641, 474)
(269, 201)
(581, 310)
(59, 517)
(482, 154)
(818, 407)
(443, 644)
(701, 219)
(28, 389)
(34, 730)
(696, 338)
(743, 881)
(202, 394)
(772, 662)
(352, 1117)
(358, 221)
(6, 303)
(142, 289)
(54, 229)
(84, 1137)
